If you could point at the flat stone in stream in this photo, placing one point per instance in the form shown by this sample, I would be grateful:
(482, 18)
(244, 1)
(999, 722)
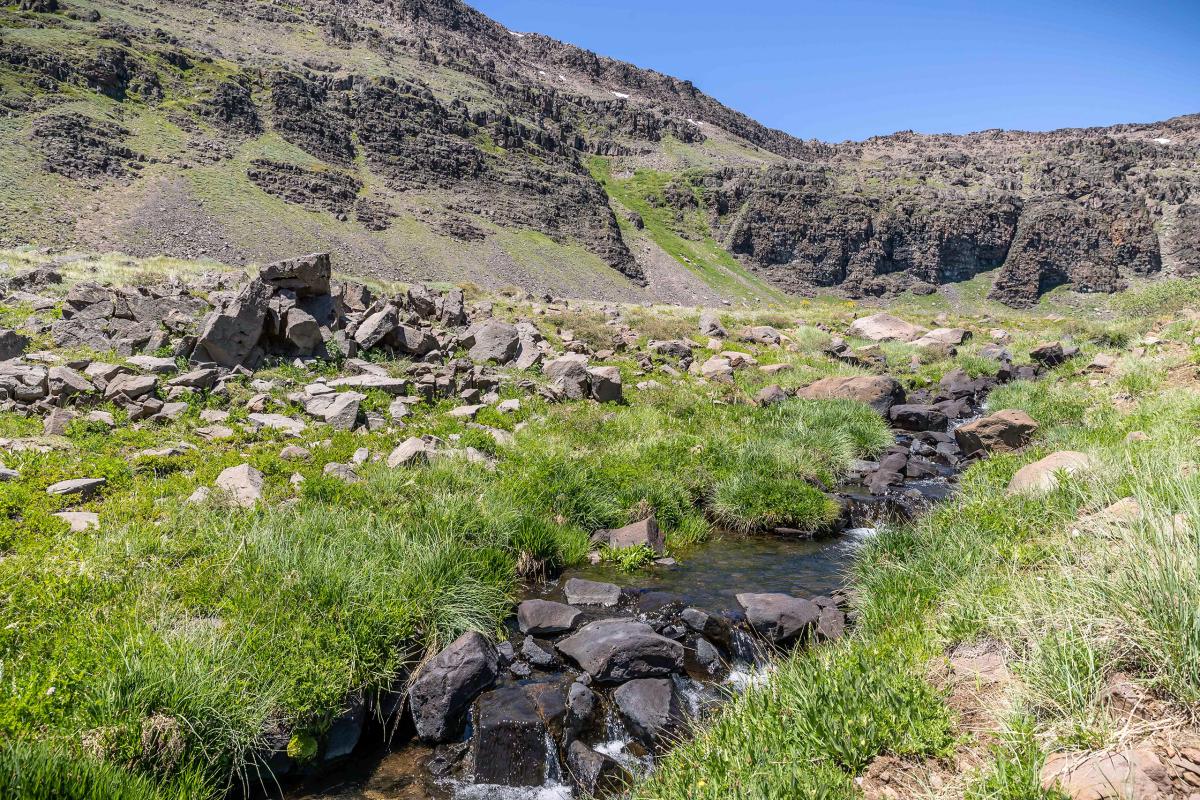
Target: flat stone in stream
(546, 618)
(619, 650)
(445, 687)
(651, 709)
(591, 593)
(779, 618)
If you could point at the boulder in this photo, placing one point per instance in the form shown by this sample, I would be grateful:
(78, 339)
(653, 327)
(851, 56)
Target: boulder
(372, 330)
(1042, 476)
(779, 618)
(651, 709)
(443, 690)
(307, 276)
(885, 328)
(918, 418)
(591, 593)
(155, 364)
(595, 774)
(710, 325)
(949, 336)
(644, 532)
(717, 369)
(196, 379)
(132, 386)
(66, 382)
(57, 421)
(243, 484)
(411, 451)
(413, 341)
(12, 344)
(493, 340)
(229, 334)
(1001, 432)
(605, 384)
(509, 739)
(342, 413)
(546, 618)
(302, 330)
(878, 391)
(618, 650)
(671, 348)
(569, 373)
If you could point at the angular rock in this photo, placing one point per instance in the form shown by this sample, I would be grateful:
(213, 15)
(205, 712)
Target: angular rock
(243, 485)
(1136, 774)
(779, 618)
(57, 421)
(762, 334)
(443, 690)
(160, 366)
(230, 334)
(546, 618)
(196, 379)
(302, 330)
(509, 739)
(1002, 432)
(643, 533)
(307, 276)
(569, 373)
(595, 774)
(342, 413)
(494, 340)
(918, 418)
(66, 382)
(374, 328)
(717, 369)
(80, 521)
(1049, 354)
(413, 341)
(651, 709)
(132, 386)
(411, 451)
(12, 344)
(770, 395)
(605, 384)
(618, 650)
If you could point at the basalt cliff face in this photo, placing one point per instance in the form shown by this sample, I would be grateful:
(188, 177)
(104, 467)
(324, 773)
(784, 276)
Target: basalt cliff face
(419, 139)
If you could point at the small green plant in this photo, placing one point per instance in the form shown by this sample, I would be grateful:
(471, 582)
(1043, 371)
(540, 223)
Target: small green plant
(302, 747)
(629, 559)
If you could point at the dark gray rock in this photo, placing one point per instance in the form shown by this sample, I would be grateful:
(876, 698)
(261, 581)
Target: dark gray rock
(651, 709)
(595, 774)
(918, 418)
(779, 618)
(546, 618)
(12, 344)
(493, 340)
(230, 334)
(307, 276)
(643, 533)
(445, 687)
(617, 650)
(509, 742)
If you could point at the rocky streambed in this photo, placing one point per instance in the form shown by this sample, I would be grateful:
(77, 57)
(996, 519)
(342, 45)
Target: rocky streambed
(602, 669)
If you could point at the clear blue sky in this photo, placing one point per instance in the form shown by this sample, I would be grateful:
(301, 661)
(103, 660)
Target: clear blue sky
(849, 69)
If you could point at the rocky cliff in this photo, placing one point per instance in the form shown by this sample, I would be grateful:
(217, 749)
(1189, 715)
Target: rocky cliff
(420, 139)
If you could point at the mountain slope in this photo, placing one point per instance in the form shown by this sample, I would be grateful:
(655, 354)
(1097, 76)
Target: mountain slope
(418, 139)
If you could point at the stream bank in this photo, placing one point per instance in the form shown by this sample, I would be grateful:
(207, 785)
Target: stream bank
(549, 722)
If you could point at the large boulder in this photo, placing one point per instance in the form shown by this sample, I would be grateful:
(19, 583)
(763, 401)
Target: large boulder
(494, 340)
(307, 276)
(413, 341)
(230, 334)
(878, 391)
(444, 688)
(618, 650)
(949, 336)
(651, 709)
(1042, 476)
(547, 618)
(885, 328)
(779, 618)
(372, 330)
(12, 344)
(1001, 432)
